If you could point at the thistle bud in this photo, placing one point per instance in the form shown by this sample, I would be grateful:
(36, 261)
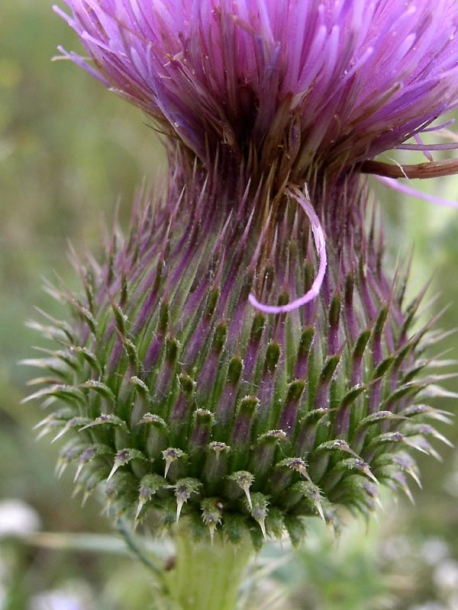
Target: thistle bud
(187, 402)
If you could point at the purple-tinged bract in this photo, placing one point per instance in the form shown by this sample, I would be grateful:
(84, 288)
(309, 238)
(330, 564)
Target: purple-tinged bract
(302, 84)
(188, 402)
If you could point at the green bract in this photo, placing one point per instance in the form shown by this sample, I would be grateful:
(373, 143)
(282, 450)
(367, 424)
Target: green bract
(183, 400)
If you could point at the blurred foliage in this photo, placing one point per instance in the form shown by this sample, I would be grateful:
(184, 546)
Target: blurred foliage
(71, 154)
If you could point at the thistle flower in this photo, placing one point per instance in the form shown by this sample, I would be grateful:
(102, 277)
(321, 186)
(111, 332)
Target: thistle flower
(179, 391)
(301, 86)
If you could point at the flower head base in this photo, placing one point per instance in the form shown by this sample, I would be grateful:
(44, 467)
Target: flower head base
(301, 85)
(184, 401)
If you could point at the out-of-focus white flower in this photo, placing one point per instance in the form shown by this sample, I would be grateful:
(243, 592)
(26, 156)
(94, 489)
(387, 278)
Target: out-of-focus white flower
(430, 606)
(446, 575)
(434, 550)
(72, 596)
(17, 518)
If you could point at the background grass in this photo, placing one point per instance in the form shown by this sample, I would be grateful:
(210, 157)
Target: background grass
(70, 153)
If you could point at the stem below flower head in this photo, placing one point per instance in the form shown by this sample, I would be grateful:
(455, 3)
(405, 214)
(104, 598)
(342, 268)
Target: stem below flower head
(207, 574)
(136, 549)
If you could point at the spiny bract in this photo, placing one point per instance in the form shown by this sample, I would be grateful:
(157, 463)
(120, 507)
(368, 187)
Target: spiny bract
(182, 399)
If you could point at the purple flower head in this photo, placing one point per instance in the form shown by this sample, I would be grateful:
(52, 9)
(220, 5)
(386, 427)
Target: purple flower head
(299, 84)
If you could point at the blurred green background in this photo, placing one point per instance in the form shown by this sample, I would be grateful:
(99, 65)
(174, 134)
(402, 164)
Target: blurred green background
(71, 154)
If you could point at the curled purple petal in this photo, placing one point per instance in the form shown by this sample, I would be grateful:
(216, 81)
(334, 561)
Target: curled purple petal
(320, 244)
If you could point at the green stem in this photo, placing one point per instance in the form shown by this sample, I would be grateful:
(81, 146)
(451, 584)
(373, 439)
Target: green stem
(207, 575)
(139, 552)
(135, 547)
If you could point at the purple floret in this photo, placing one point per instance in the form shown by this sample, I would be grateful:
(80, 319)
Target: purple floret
(325, 83)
